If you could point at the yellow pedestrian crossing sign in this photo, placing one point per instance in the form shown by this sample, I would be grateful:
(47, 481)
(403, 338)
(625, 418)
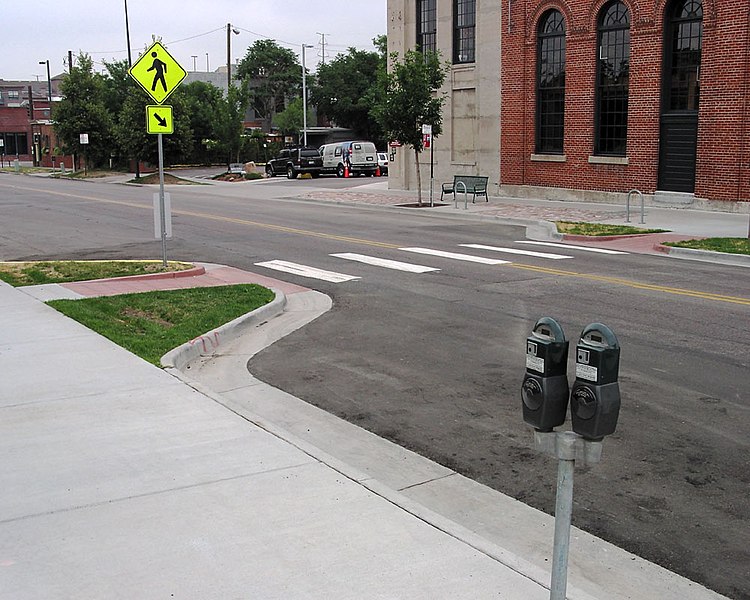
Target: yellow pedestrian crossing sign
(157, 72)
(159, 118)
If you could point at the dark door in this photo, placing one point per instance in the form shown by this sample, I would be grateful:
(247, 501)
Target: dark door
(678, 136)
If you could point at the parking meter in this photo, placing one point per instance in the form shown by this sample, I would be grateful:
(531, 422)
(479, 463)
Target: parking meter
(595, 397)
(544, 392)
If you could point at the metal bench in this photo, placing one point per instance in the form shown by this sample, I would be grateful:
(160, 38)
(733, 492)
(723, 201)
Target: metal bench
(476, 185)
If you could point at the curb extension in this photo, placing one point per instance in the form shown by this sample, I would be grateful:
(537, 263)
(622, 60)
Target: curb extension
(209, 342)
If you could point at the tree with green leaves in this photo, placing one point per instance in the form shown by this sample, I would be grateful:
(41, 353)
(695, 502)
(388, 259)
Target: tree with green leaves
(203, 103)
(291, 119)
(132, 136)
(345, 89)
(410, 99)
(271, 74)
(230, 123)
(83, 110)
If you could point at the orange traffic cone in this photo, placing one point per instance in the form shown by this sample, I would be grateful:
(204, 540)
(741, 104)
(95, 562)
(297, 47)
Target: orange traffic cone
(346, 170)
(377, 171)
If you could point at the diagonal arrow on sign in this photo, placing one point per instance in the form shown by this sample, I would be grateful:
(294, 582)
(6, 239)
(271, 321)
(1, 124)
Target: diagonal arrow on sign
(159, 119)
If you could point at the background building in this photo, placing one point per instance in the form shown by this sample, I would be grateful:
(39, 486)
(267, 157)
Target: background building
(588, 99)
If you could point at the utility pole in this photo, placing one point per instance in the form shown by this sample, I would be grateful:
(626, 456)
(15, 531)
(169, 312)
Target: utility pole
(304, 95)
(130, 64)
(230, 31)
(322, 47)
(194, 57)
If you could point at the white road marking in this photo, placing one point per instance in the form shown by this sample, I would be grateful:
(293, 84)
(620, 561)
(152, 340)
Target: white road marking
(456, 256)
(517, 251)
(569, 246)
(305, 271)
(383, 262)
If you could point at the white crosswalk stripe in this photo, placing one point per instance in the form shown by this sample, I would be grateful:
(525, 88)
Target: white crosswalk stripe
(384, 262)
(306, 271)
(517, 251)
(456, 256)
(571, 247)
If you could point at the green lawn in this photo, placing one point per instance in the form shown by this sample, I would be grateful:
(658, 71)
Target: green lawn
(730, 245)
(40, 272)
(151, 324)
(601, 229)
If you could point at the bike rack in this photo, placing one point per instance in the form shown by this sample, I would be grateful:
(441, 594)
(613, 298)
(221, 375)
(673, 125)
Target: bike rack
(627, 206)
(466, 196)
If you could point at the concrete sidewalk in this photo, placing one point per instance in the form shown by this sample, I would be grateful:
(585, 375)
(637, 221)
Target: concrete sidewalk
(122, 480)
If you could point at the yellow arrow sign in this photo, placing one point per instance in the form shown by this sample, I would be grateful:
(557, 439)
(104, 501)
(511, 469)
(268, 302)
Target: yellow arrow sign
(159, 119)
(157, 72)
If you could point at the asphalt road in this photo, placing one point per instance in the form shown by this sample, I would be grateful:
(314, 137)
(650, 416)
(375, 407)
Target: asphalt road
(434, 361)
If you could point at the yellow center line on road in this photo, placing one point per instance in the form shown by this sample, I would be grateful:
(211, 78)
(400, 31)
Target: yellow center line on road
(365, 242)
(637, 284)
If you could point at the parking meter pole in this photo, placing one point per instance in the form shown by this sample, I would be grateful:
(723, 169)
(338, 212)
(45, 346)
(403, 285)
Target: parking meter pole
(162, 210)
(563, 516)
(568, 448)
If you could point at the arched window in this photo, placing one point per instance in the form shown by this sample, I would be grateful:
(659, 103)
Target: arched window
(613, 77)
(550, 87)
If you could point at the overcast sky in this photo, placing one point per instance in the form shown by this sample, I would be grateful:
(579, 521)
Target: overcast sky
(46, 30)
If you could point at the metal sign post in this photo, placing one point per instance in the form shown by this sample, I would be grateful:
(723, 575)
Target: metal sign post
(427, 143)
(162, 211)
(84, 139)
(159, 74)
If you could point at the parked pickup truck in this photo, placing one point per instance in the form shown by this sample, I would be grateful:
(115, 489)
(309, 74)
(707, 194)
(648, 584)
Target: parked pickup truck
(294, 161)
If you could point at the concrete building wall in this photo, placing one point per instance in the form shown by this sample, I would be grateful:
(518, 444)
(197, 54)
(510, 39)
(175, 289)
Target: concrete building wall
(470, 142)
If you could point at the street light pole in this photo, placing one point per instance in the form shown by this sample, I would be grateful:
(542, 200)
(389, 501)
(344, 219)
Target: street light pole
(49, 84)
(304, 95)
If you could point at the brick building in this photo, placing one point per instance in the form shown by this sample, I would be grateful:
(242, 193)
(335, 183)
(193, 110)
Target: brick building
(598, 97)
(26, 130)
(612, 95)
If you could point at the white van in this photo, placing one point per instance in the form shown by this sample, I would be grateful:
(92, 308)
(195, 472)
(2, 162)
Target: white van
(359, 157)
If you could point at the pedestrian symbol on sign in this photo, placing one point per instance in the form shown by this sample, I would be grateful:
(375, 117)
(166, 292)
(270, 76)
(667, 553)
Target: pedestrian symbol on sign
(157, 72)
(160, 67)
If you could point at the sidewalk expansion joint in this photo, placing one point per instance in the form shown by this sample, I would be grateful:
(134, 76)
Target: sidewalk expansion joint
(420, 483)
(160, 492)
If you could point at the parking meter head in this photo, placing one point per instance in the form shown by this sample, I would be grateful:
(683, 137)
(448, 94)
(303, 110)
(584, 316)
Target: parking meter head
(595, 397)
(544, 391)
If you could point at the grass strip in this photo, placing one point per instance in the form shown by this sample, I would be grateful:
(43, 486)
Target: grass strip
(150, 324)
(728, 245)
(41, 272)
(601, 229)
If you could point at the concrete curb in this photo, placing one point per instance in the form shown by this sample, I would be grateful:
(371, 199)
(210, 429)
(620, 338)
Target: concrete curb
(193, 272)
(724, 258)
(572, 237)
(208, 343)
